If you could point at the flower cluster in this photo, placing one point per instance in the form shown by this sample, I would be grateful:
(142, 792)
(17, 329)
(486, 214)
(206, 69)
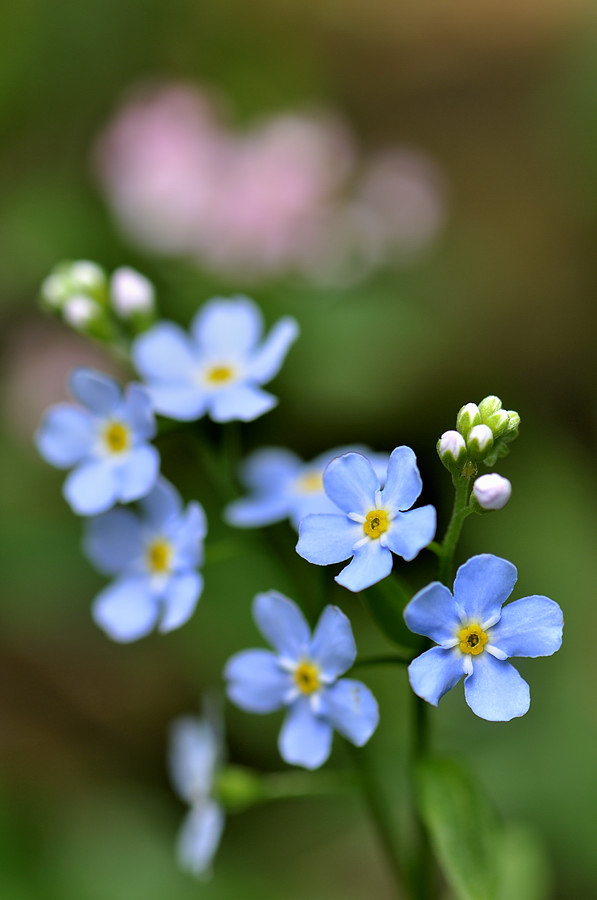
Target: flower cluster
(349, 504)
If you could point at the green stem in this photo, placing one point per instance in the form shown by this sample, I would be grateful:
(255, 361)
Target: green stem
(423, 858)
(459, 513)
(376, 800)
(396, 659)
(287, 785)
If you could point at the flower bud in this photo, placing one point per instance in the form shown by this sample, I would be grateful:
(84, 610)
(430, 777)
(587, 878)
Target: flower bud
(488, 406)
(479, 441)
(80, 311)
(451, 448)
(513, 420)
(131, 293)
(70, 280)
(87, 276)
(492, 491)
(237, 788)
(499, 422)
(467, 418)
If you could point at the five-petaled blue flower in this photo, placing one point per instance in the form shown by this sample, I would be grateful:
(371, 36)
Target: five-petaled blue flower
(283, 486)
(104, 441)
(373, 522)
(219, 367)
(303, 674)
(476, 636)
(155, 556)
(194, 757)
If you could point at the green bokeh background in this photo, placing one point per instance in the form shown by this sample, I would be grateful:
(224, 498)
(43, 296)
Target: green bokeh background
(502, 95)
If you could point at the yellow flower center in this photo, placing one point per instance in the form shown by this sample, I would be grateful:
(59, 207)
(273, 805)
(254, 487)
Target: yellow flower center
(306, 677)
(472, 639)
(116, 437)
(310, 483)
(159, 556)
(376, 522)
(219, 374)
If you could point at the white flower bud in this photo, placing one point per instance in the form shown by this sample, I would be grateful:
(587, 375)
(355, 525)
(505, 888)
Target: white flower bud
(54, 290)
(499, 422)
(86, 275)
(479, 441)
(451, 444)
(131, 292)
(80, 310)
(467, 418)
(492, 491)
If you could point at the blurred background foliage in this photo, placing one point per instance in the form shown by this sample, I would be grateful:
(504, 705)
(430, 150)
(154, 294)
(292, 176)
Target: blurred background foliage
(501, 97)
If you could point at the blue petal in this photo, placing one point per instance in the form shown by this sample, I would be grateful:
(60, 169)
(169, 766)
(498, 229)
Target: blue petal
(241, 401)
(200, 836)
(370, 564)
(482, 585)
(435, 672)
(91, 488)
(65, 436)
(183, 402)
(410, 531)
(138, 473)
(270, 469)
(495, 691)
(282, 623)
(253, 513)
(228, 326)
(305, 740)
(126, 610)
(98, 392)
(187, 536)
(161, 504)
(529, 627)
(164, 354)
(333, 647)
(193, 754)
(327, 538)
(352, 709)
(433, 613)
(403, 481)
(256, 681)
(267, 360)
(315, 503)
(350, 482)
(113, 542)
(181, 596)
(138, 411)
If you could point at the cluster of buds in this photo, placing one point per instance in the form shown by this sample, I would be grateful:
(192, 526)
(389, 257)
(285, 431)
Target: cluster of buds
(88, 300)
(482, 434)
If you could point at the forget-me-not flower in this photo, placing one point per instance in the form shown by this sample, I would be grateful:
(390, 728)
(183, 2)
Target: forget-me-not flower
(303, 675)
(282, 486)
(154, 556)
(194, 756)
(476, 636)
(219, 367)
(370, 523)
(104, 441)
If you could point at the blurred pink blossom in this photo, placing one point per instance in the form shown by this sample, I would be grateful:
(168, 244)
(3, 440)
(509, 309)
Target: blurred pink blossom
(287, 195)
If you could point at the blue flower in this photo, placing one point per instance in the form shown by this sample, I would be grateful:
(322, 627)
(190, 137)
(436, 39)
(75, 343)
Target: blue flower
(475, 638)
(194, 757)
(219, 367)
(303, 675)
(282, 486)
(372, 523)
(155, 556)
(104, 442)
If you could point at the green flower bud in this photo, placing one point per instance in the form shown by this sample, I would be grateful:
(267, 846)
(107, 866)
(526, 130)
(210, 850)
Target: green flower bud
(513, 421)
(467, 418)
(499, 422)
(236, 787)
(479, 441)
(488, 406)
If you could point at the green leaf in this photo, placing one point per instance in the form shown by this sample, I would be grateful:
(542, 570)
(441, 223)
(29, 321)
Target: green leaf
(386, 601)
(524, 870)
(463, 827)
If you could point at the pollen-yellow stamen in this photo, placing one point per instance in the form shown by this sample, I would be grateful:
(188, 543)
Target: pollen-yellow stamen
(159, 556)
(116, 437)
(310, 483)
(219, 374)
(472, 639)
(306, 677)
(376, 522)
